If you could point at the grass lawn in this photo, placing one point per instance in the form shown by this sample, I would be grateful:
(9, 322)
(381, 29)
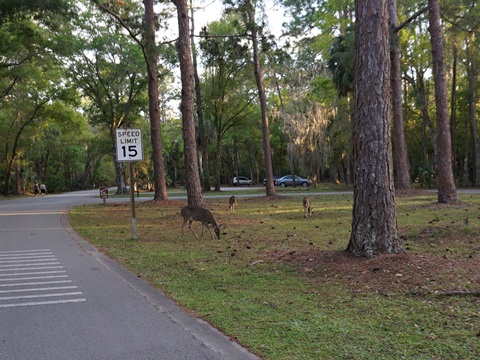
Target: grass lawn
(282, 286)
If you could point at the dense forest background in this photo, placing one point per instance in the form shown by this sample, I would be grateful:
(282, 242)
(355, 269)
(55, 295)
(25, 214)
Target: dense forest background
(70, 75)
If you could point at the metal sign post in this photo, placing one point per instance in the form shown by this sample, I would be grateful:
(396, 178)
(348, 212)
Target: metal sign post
(129, 148)
(132, 202)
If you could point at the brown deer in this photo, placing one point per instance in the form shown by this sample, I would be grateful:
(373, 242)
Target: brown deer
(307, 207)
(232, 202)
(193, 213)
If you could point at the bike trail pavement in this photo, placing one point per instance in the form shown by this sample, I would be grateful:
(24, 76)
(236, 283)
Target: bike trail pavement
(62, 299)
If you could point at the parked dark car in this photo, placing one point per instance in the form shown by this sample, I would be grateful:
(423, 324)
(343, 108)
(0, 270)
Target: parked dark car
(241, 180)
(287, 180)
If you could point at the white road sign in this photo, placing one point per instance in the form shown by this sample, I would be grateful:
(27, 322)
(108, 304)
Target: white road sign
(129, 145)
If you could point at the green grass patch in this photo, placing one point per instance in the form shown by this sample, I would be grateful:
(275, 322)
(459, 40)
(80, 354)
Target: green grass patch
(283, 287)
(252, 190)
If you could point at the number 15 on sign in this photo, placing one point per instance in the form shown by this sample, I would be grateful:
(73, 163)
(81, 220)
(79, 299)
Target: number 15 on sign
(129, 145)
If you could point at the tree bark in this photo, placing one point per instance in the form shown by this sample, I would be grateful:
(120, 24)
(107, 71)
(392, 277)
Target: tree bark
(472, 75)
(119, 172)
(18, 179)
(202, 141)
(217, 161)
(194, 189)
(270, 187)
(151, 58)
(453, 109)
(374, 221)
(447, 192)
(402, 173)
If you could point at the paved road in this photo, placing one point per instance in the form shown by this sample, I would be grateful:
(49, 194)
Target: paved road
(61, 299)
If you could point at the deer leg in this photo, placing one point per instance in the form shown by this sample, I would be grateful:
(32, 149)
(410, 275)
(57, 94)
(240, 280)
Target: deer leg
(184, 222)
(210, 231)
(190, 226)
(208, 227)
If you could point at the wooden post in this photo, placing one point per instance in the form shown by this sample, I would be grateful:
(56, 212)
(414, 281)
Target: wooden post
(132, 204)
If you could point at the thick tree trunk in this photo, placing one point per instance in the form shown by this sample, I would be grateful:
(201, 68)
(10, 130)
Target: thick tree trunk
(374, 222)
(154, 106)
(270, 187)
(447, 192)
(472, 75)
(119, 176)
(8, 175)
(474, 131)
(429, 130)
(453, 110)
(119, 169)
(465, 172)
(402, 173)
(194, 189)
(217, 162)
(202, 141)
(18, 179)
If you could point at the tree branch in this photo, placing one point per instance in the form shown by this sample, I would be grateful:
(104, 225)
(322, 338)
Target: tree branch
(7, 90)
(411, 18)
(120, 20)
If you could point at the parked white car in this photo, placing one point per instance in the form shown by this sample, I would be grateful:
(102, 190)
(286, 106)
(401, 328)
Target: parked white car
(241, 180)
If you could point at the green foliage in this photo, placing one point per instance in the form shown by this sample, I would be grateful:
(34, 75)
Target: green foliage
(65, 54)
(173, 152)
(39, 8)
(34, 96)
(229, 98)
(341, 63)
(109, 69)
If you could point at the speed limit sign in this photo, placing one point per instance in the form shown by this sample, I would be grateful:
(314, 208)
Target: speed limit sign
(129, 145)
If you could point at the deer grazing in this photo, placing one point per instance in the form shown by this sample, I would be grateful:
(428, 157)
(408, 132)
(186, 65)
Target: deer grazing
(191, 213)
(307, 207)
(232, 202)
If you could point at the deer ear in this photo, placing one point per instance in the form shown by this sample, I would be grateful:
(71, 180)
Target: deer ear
(221, 226)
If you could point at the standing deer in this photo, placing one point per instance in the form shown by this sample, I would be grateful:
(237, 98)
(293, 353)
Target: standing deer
(193, 213)
(307, 207)
(232, 202)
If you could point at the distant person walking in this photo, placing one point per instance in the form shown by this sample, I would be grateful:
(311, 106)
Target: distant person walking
(43, 189)
(35, 188)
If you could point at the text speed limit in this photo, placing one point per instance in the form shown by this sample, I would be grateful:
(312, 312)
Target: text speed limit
(129, 145)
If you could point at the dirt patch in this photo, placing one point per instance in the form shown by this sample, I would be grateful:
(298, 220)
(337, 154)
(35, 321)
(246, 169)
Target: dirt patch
(412, 273)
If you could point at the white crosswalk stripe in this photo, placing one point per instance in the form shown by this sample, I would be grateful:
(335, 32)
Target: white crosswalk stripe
(23, 276)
